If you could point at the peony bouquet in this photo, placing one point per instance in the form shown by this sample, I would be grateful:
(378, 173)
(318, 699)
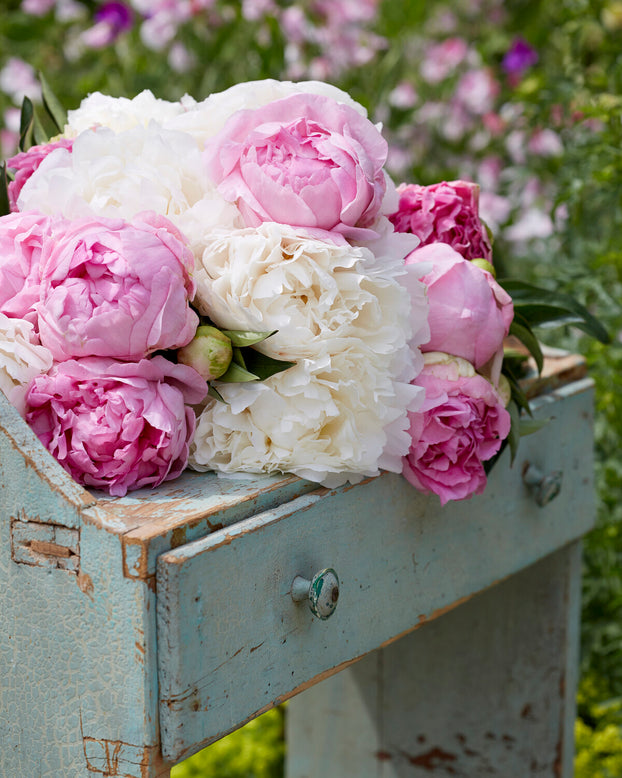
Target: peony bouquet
(237, 285)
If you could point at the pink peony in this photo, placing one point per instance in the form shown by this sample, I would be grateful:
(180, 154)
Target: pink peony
(116, 425)
(444, 213)
(304, 160)
(470, 314)
(25, 163)
(115, 288)
(21, 240)
(461, 424)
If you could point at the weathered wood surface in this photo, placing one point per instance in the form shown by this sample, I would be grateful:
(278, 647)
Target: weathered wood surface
(488, 690)
(78, 647)
(78, 659)
(232, 646)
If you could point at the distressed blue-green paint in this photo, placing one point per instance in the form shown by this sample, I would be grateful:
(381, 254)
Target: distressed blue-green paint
(487, 690)
(81, 654)
(233, 645)
(78, 657)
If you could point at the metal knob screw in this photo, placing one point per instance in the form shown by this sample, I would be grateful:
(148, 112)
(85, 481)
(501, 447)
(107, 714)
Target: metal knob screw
(322, 592)
(544, 487)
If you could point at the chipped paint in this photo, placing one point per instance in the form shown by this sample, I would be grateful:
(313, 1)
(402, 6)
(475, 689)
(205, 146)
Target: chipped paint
(117, 759)
(431, 760)
(43, 544)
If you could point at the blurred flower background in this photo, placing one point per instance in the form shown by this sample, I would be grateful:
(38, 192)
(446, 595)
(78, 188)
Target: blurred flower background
(523, 97)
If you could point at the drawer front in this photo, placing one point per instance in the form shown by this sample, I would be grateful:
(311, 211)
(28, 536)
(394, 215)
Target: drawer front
(232, 642)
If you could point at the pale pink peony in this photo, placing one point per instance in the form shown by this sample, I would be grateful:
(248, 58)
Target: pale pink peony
(461, 424)
(116, 288)
(25, 163)
(470, 314)
(21, 240)
(304, 160)
(116, 425)
(447, 212)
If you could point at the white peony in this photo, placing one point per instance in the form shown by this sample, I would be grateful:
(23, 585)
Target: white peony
(344, 317)
(206, 118)
(121, 113)
(21, 359)
(330, 420)
(121, 174)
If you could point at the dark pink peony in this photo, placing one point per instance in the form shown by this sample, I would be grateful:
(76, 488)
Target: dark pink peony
(444, 213)
(470, 314)
(25, 163)
(304, 160)
(21, 240)
(116, 425)
(116, 288)
(461, 424)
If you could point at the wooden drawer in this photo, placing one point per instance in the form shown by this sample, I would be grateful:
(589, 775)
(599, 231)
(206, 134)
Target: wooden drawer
(232, 642)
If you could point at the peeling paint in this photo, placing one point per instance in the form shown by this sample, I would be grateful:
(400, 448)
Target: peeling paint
(117, 759)
(432, 759)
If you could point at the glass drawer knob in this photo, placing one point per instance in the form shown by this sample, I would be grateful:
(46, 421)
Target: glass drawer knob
(322, 592)
(543, 487)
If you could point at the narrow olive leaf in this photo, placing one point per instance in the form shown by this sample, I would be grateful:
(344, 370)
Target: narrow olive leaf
(238, 357)
(517, 394)
(55, 110)
(265, 366)
(559, 303)
(514, 436)
(236, 374)
(212, 392)
(529, 426)
(520, 329)
(5, 208)
(242, 338)
(39, 135)
(26, 123)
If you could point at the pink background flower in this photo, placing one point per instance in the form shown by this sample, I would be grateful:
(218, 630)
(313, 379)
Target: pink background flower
(116, 288)
(306, 161)
(447, 212)
(116, 425)
(470, 314)
(461, 424)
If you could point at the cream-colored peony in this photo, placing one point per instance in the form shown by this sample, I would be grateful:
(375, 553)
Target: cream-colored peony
(330, 420)
(121, 113)
(21, 359)
(208, 117)
(121, 174)
(318, 295)
(344, 317)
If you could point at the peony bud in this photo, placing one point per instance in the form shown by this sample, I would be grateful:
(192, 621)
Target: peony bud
(209, 353)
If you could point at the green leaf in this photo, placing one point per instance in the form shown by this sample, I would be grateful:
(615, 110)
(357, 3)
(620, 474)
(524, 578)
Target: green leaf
(39, 135)
(26, 124)
(514, 436)
(212, 392)
(238, 356)
(243, 338)
(518, 396)
(236, 374)
(5, 208)
(544, 307)
(265, 366)
(529, 426)
(55, 110)
(520, 329)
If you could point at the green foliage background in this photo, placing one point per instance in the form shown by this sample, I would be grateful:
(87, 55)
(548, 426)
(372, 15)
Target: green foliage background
(579, 74)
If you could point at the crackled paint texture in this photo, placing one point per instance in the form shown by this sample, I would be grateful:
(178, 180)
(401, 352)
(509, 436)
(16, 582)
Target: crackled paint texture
(79, 669)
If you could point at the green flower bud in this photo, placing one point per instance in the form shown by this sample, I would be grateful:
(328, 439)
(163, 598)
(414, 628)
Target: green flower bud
(209, 353)
(484, 265)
